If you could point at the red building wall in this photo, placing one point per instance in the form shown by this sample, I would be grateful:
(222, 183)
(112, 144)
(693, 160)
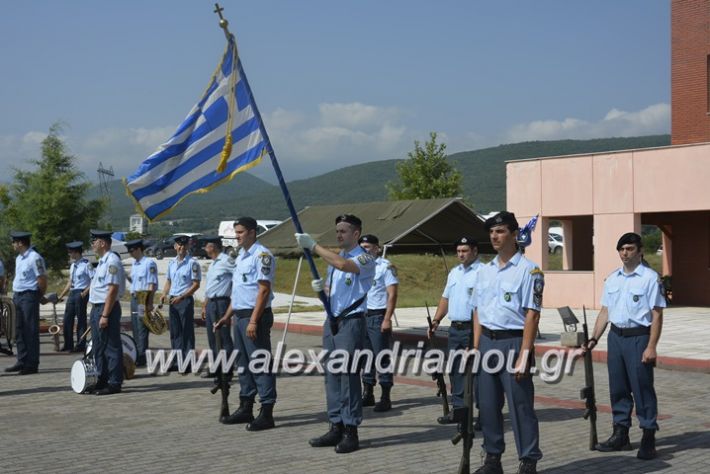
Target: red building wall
(690, 71)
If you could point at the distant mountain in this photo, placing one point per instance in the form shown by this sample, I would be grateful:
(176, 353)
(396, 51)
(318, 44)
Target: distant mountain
(483, 184)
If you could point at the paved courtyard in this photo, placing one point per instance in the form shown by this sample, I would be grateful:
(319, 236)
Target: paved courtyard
(167, 423)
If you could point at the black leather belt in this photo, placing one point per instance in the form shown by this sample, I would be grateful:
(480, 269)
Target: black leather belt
(501, 333)
(246, 313)
(376, 312)
(461, 324)
(23, 292)
(219, 298)
(629, 332)
(358, 315)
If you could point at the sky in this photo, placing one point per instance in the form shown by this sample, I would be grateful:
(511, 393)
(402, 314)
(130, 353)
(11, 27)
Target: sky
(337, 83)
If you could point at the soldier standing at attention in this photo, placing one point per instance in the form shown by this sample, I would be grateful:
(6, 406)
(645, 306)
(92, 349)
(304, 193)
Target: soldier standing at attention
(350, 275)
(507, 300)
(107, 288)
(28, 288)
(381, 301)
(457, 303)
(183, 280)
(144, 283)
(251, 303)
(633, 302)
(80, 274)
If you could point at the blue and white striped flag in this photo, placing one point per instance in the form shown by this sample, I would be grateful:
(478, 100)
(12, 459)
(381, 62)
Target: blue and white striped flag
(201, 154)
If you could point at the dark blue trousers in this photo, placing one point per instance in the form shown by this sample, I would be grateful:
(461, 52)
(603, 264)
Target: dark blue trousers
(182, 325)
(27, 328)
(140, 332)
(459, 339)
(262, 382)
(376, 341)
(343, 391)
(494, 389)
(75, 308)
(106, 345)
(631, 380)
(214, 311)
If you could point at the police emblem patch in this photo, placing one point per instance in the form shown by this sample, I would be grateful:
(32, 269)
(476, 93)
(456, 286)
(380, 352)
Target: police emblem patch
(265, 259)
(244, 277)
(506, 296)
(112, 269)
(362, 259)
(348, 281)
(195, 267)
(393, 269)
(265, 270)
(538, 287)
(153, 269)
(636, 298)
(40, 266)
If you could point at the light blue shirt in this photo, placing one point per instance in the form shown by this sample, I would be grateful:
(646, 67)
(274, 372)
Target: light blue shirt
(28, 267)
(144, 272)
(459, 290)
(252, 266)
(219, 276)
(630, 298)
(385, 275)
(346, 288)
(80, 273)
(109, 271)
(181, 274)
(503, 295)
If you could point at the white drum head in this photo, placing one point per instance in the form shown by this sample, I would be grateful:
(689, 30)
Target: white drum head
(78, 377)
(129, 346)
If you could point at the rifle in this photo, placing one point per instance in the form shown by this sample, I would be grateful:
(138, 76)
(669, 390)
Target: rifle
(464, 416)
(438, 376)
(223, 384)
(587, 393)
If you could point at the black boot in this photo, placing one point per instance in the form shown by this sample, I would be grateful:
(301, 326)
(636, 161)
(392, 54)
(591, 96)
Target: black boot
(331, 438)
(618, 441)
(350, 441)
(527, 466)
(385, 404)
(491, 465)
(264, 421)
(14, 368)
(647, 450)
(368, 395)
(244, 414)
(447, 419)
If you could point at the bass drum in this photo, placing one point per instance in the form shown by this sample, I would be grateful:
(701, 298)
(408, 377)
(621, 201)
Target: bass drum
(127, 342)
(84, 375)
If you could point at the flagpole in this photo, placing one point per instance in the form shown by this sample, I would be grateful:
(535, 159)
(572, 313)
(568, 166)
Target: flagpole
(223, 23)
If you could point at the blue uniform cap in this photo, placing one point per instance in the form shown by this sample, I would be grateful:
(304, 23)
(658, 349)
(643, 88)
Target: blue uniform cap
(133, 244)
(350, 219)
(629, 238)
(248, 223)
(471, 242)
(76, 246)
(370, 239)
(181, 239)
(101, 234)
(212, 239)
(20, 235)
(502, 218)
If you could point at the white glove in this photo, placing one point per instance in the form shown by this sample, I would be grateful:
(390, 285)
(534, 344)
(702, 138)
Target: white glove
(317, 285)
(305, 241)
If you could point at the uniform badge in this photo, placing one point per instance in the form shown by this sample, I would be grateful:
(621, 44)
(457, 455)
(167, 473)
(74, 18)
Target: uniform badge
(244, 277)
(195, 267)
(265, 259)
(348, 281)
(506, 296)
(362, 259)
(393, 269)
(112, 269)
(40, 266)
(153, 269)
(636, 298)
(265, 270)
(538, 287)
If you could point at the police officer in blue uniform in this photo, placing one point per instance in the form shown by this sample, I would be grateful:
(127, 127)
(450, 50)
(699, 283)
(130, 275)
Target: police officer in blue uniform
(252, 294)
(28, 287)
(508, 299)
(80, 274)
(107, 288)
(183, 280)
(456, 301)
(350, 275)
(381, 302)
(218, 290)
(144, 283)
(633, 302)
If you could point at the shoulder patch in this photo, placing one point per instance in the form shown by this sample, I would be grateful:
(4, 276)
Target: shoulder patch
(365, 258)
(153, 269)
(265, 259)
(112, 269)
(393, 269)
(40, 266)
(195, 267)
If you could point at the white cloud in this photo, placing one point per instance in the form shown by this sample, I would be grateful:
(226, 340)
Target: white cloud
(654, 119)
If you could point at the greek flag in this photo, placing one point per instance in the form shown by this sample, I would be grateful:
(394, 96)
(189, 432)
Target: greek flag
(221, 136)
(525, 234)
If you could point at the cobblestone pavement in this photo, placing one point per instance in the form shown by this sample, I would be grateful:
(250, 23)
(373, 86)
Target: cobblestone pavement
(167, 423)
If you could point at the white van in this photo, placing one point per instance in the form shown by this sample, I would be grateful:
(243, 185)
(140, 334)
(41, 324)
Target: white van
(226, 231)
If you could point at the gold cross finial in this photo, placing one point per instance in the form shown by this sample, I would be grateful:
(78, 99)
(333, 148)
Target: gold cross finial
(223, 23)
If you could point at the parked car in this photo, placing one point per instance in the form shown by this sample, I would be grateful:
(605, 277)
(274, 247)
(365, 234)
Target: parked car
(197, 246)
(162, 248)
(226, 231)
(554, 243)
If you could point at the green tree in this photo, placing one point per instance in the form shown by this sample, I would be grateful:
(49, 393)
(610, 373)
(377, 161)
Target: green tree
(426, 174)
(50, 201)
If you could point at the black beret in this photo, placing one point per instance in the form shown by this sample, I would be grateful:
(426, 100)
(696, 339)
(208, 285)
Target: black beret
(370, 239)
(132, 244)
(248, 223)
(20, 235)
(502, 218)
(629, 238)
(76, 246)
(471, 242)
(212, 239)
(181, 239)
(100, 234)
(350, 219)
